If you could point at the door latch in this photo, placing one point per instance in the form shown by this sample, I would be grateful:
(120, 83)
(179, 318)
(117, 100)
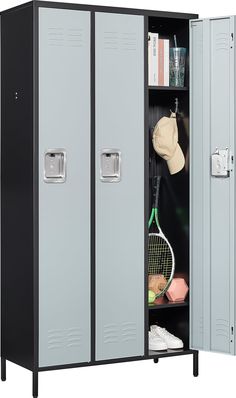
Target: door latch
(55, 166)
(110, 164)
(220, 163)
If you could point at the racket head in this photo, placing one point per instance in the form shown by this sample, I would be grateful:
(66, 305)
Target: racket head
(161, 260)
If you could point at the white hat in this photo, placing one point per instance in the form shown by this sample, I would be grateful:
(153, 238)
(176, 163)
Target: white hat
(165, 143)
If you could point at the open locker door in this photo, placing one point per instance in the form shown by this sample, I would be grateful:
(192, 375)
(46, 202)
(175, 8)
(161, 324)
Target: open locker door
(212, 61)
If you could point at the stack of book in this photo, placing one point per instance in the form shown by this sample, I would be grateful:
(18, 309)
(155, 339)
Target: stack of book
(158, 60)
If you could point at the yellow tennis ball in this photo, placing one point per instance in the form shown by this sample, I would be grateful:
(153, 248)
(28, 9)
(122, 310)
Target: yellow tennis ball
(151, 296)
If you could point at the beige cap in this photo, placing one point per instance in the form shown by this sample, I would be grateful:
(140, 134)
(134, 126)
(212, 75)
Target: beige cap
(165, 143)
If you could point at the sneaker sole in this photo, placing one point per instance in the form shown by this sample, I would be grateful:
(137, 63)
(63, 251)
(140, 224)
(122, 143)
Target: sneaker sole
(176, 348)
(153, 348)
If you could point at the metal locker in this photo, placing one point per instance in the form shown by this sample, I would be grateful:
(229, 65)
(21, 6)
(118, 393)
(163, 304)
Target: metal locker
(64, 186)
(119, 125)
(212, 184)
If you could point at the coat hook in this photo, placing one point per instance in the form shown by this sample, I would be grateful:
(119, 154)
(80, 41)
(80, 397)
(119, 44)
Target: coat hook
(176, 105)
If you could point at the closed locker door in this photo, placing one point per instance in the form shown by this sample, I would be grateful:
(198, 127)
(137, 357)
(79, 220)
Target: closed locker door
(64, 186)
(212, 184)
(119, 124)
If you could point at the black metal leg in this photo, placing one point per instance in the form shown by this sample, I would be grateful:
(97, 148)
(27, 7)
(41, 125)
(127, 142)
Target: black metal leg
(35, 384)
(156, 360)
(195, 364)
(3, 369)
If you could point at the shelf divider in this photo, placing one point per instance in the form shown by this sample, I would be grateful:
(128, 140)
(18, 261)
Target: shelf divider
(167, 304)
(167, 88)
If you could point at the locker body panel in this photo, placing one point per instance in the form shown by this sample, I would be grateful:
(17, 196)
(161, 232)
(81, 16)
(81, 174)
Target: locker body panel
(212, 198)
(119, 80)
(64, 208)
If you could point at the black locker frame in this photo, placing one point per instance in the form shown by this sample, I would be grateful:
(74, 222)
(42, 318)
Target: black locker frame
(26, 278)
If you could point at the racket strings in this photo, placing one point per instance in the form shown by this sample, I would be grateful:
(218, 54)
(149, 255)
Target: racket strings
(160, 259)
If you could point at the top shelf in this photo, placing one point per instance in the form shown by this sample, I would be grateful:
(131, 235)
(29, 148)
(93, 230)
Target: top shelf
(167, 88)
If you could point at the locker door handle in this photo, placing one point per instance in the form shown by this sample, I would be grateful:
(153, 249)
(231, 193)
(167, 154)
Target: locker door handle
(110, 165)
(221, 163)
(55, 166)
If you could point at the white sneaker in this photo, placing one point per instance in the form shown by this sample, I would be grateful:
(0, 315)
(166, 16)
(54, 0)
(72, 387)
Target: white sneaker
(156, 343)
(172, 342)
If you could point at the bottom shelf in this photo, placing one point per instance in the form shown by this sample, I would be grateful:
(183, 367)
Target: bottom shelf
(168, 353)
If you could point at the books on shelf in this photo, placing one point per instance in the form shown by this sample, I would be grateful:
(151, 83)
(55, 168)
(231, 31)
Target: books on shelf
(152, 59)
(158, 60)
(163, 62)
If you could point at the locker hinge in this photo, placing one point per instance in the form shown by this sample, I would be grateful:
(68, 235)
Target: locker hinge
(232, 36)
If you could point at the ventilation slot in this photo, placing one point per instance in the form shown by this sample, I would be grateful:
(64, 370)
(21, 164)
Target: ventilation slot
(75, 37)
(56, 37)
(222, 41)
(114, 333)
(129, 332)
(60, 338)
(71, 37)
(110, 334)
(111, 40)
(128, 41)
(222, 328)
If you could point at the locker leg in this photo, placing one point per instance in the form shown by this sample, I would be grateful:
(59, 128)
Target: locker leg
(35, 384)
(195, 364)
(156, 360)
(3, 369)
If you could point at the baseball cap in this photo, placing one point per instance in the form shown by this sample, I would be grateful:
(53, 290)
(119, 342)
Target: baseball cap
(165, 143)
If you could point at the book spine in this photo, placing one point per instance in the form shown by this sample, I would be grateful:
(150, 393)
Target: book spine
(155, 59)
(166, 62)
(161, 62)
(150, 45)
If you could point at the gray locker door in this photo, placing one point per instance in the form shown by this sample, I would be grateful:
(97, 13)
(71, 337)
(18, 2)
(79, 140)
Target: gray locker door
(119, 204)
(64, 207)
(212, 198)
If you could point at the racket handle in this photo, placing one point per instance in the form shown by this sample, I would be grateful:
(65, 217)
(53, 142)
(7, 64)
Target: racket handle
(156, 190)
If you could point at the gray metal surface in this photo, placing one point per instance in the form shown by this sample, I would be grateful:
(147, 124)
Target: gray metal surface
(64, 209)
(212, 198)
(120, 205)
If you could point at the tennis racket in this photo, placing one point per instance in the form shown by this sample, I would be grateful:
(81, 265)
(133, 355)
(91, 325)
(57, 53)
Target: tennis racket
(161, 260)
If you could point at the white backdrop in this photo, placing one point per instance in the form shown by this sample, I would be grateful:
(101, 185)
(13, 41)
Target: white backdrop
(171, 377)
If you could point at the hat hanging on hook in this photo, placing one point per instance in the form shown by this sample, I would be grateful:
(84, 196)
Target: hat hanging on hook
(165, 141)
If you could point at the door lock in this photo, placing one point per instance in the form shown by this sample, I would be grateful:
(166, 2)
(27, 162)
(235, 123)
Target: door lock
(110, 163)
(220, 163)
(55, 166)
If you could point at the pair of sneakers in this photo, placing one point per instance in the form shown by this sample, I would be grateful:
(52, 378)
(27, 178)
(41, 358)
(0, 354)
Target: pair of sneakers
(160, 339)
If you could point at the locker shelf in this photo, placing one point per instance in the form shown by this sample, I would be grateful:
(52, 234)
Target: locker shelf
(168, 88)
(159, 354)
(167, 304)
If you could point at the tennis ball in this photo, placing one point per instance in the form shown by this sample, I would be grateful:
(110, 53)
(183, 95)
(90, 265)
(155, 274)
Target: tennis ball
(151, 296)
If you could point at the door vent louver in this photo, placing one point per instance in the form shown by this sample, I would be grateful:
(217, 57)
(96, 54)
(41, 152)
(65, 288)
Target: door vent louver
(114, 333)
(71, 37)
(222, 41)
(222, 328)
(59, 338)
(125, 41)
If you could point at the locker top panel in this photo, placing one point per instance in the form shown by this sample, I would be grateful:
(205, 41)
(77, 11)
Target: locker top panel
(211, 18)
(97, 8)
